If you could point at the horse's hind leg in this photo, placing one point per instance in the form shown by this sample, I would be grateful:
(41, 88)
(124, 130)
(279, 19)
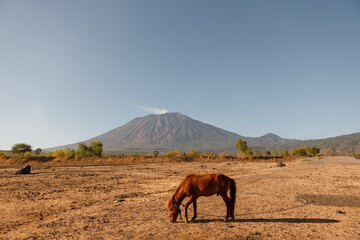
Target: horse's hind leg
(228, 205)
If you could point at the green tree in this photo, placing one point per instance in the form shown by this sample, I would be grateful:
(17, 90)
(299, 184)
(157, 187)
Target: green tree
(285, 153)
(156, 153)
(58, 153)
(82, 150)
(313, 151)
(212, 155)
(300, 152)
(69, 152)
(193, 153)
(267, 153)
(37, 151)
(96, 148)
(241, 146)
(257, 153)
(249, 152)
(21, 148)
(3, 155)
(28, 155)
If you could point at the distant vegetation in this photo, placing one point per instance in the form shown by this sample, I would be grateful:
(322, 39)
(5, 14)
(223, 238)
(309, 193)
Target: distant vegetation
(95, 149)
(244, 150)
(21, 149)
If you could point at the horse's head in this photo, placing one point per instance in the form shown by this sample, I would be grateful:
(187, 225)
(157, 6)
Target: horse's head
(173, 208)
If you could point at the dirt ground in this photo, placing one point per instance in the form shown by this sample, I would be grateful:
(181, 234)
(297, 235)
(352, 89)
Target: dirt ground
(306, 199)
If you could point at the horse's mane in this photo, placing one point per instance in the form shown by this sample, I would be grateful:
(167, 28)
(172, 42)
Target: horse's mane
(178, 188)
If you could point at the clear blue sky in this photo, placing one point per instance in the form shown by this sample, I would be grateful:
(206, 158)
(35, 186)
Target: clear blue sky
(71, 70)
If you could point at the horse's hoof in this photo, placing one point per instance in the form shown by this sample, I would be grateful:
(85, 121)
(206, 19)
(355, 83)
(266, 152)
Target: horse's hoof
(226, 220)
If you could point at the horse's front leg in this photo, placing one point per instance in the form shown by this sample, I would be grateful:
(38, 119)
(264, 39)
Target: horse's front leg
(191, 199)
(195, 214)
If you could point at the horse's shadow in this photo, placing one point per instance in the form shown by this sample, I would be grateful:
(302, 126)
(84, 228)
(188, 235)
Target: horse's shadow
(270, 220)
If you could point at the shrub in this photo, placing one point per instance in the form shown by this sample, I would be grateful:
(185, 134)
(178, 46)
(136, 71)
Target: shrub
(4, 155)
(28, 155)
(58, 153)
(285, 153)
(69, 153)
(82, 150)
(194, 153)
(96, 149)
(299, 152)
(212, 155)
(257, 153)
(313, 151)
(156, 153)
(174, 154)
(249, 152)
(49, 154)
(37, 151)
(267, 153)
(241, 146)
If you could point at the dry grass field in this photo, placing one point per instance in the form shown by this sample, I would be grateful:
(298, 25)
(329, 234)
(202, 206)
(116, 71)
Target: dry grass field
(128, 201)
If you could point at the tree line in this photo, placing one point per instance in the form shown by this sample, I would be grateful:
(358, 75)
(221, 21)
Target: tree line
(244, 150)
(94, 149)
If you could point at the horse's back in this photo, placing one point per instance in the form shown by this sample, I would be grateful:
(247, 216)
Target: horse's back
(203, 185)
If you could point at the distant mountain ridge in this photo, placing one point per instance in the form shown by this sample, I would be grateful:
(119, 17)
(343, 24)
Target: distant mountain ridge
(175, 131)
(165, 132)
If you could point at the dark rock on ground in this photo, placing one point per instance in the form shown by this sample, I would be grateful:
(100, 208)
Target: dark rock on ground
(280, 164)
(24, 170)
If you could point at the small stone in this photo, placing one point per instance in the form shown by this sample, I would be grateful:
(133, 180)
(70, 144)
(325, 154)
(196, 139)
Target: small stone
(340, 212)
(280, 164)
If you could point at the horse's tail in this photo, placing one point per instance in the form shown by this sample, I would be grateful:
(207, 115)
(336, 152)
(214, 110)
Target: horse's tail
(232, 195)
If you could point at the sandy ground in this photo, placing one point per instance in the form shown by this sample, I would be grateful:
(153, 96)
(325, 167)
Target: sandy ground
(307, 199)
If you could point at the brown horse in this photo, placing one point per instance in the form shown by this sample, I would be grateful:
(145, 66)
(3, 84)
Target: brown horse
(194, 186)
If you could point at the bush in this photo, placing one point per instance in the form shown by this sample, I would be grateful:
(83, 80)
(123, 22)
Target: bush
(96, 149)
(49, 154)
(267, 153)
(37, 152)
(174, 154)
(70, 153)
(156, 153)
(194, 153)
(285, 153)
(58, 153)
(313, 151)
(300, 152)
(212, 155)
(28, 155)
(257, 153)
(241, 147)
(4, 155)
